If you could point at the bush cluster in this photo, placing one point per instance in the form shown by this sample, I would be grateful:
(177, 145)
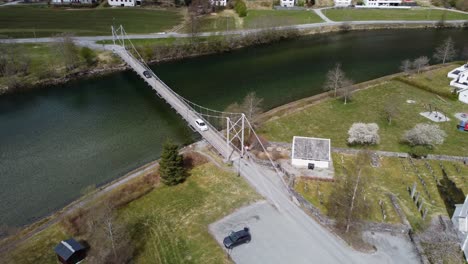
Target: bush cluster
(241, 8)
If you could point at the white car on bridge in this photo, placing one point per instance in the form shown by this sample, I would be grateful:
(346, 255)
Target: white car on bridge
(201, 125)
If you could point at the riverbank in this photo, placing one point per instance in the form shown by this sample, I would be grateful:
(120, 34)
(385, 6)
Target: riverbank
(171, 49)
(367, 105)
(196, 203)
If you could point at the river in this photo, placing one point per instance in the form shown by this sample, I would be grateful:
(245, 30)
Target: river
(57, 141)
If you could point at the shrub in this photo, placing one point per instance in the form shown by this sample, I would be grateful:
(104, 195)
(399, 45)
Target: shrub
(88, 55)
(425, 135)
(419, 151)
(364, 134)
(241, 8)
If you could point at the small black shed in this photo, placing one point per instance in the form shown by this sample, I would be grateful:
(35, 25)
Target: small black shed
(70, 251)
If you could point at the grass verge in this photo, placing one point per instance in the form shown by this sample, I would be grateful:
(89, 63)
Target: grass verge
(274, 18)
(332, 119)
(392, 14)
(30, 22)
(167, 225)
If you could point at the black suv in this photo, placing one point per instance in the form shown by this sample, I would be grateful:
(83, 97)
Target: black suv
(147, 74)
(237, 238)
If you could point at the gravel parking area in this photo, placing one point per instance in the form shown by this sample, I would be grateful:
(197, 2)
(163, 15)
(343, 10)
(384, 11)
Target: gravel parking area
(278, 239)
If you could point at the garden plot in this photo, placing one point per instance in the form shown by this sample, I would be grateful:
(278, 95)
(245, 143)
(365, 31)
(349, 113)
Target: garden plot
(462, 117)
(435, 116)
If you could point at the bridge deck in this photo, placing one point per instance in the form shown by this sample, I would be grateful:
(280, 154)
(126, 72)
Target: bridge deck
(181, 107)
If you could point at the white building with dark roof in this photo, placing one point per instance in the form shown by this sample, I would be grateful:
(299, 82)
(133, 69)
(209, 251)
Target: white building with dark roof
(287, 3)
(342, 3)
(460, 222)
(311, 152)
(459, 81)
(382, 3)
(124, 3)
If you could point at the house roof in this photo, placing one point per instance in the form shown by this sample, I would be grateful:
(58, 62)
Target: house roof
(67, 248)
(464, 209)
(307, 148)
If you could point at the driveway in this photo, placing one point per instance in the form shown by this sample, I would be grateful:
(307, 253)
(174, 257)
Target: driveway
(278, 239)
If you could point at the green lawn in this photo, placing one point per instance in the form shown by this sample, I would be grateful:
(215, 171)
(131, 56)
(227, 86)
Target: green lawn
(215, 23)
(169, 224)
(24, 21)
(271, 18)
(391, 177)
(332, 119)
(391, 14)
(45, 64)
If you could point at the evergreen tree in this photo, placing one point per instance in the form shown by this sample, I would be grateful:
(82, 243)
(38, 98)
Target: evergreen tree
(171, 167)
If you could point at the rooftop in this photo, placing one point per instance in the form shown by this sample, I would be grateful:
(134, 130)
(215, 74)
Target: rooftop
(67, 248)
(307, 148)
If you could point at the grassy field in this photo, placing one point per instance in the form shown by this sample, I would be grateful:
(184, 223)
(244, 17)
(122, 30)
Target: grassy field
(391, 177)
(216, 24)
(169, 224)
(271, 18)
(379, 14)
(43, 21)
(332, 119)
(45, 63)
(256, 18)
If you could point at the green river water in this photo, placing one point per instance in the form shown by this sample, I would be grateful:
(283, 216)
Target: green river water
(56, 141)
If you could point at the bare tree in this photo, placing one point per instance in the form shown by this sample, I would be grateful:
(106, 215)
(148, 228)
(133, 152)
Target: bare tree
(365, 134)
(68, 51)
(194, 25)
(425, 134)
(109, 239)
(390, 110)
(406, 66)
(346, 90)
(464, 53)
(335, 79)
(420, 63)
(347, 202)
(251, 106)
(446, 51)
(14, 59)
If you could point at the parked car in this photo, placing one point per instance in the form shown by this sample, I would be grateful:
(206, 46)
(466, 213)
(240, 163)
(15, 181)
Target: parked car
(201, 125)
(147, 74)
(237, 238)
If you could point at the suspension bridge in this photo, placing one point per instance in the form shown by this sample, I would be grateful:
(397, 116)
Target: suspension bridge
(229, 142)
(227, 133)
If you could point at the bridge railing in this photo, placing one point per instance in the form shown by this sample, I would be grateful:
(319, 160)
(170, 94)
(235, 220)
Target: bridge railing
(189, 107)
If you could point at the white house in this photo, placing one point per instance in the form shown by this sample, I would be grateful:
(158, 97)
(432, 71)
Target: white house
(311, 152)
(287, 3)
(382, 3)
(459, 81)
(460, 222)
(124, 3)
(74, 2)
(218, 2)
(342, 3)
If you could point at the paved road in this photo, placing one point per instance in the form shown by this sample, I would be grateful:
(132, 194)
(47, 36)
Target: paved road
(300, 239)
(308, 235)
(90, 41)
(321, 15)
